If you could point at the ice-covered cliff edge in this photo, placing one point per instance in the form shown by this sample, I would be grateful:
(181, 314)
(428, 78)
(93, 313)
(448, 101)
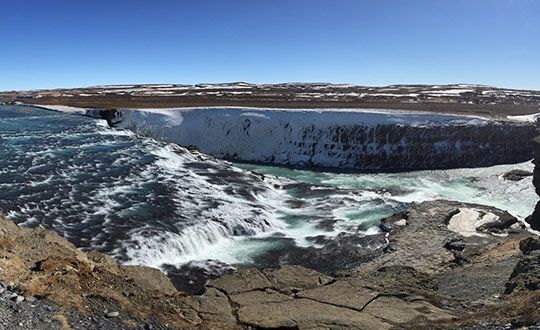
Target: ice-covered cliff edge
(360, 140)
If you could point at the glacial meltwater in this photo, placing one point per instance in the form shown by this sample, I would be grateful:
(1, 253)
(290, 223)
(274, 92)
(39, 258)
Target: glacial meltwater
(158, 204)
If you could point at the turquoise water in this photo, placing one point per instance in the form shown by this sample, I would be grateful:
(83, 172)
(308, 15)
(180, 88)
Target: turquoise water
(479, 185)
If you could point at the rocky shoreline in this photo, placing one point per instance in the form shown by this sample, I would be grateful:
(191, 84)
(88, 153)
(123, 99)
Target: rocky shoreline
(444, 265)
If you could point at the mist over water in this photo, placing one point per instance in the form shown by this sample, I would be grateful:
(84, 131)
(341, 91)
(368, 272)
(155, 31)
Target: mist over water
(153, 203)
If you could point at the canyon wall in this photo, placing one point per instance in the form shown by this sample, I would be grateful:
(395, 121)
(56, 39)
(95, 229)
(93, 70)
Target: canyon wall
(356, 140)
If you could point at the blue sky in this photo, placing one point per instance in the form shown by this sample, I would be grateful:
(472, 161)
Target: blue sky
(45, 44)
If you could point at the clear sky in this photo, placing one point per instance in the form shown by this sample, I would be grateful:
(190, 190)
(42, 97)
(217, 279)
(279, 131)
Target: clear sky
(54, 43)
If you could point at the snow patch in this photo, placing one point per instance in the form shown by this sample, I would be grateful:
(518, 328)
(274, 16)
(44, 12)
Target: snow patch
(467, 220)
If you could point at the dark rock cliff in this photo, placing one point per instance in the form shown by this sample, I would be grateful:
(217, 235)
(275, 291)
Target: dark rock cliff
(534, 219)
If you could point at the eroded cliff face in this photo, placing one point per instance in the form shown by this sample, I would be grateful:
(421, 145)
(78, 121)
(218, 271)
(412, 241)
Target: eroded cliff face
(341, 139)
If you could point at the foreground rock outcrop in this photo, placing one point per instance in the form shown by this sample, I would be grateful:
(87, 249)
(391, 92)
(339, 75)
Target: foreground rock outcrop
(445, 265)
(39, 263)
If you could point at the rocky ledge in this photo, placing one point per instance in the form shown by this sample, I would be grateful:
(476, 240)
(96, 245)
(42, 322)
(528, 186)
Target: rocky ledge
(444, 265)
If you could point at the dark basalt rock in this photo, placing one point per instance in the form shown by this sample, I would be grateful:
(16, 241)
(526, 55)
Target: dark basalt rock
(517, 175)
(393, 221)
(385, 227)
(501, 225)
(526, 274)
(534, 219)
(529, 245)
(339, 253)
(112, 116)
(456, 245)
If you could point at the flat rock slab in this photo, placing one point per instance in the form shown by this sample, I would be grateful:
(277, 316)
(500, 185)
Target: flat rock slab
(259, 297)
(287, 279)
(296, 278)
(214, 306)
(243, 280)
(307, 314)
(341, 293)
(398, 311)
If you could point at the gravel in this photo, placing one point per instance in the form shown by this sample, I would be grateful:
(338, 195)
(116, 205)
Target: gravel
(30, 313)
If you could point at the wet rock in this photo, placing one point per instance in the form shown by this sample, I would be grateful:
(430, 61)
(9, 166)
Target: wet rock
(439, 235)
(401, 278)
(534, 218)
(345, 251)
(476, 283)
(191, 278)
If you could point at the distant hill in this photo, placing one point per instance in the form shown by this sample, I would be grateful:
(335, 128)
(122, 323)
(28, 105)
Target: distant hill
(456, 98)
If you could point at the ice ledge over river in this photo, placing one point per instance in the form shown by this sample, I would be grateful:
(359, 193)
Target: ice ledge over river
(355, 139)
